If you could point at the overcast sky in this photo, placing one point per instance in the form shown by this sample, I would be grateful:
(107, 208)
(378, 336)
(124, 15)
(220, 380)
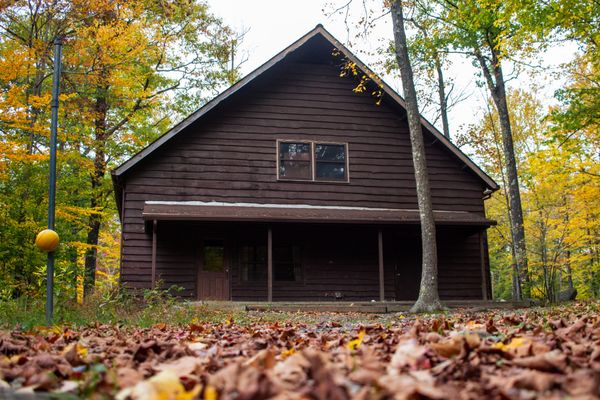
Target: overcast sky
(274, 24)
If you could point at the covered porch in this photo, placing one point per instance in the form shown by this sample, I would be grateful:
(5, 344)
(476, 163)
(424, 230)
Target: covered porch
(276, 253)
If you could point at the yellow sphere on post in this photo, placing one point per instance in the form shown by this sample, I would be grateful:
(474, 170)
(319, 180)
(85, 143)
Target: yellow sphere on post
(47, 240)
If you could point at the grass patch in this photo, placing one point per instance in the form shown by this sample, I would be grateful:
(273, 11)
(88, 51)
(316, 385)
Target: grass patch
(153, 307)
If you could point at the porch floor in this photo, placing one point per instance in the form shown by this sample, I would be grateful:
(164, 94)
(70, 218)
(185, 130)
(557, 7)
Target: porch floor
(360, 307)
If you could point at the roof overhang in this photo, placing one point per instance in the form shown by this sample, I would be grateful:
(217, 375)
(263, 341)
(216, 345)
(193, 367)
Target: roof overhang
(299, 213)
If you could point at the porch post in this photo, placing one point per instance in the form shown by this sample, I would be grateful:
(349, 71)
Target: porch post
(483, 271)
(269, 264)
(381, 279)
(154, 227)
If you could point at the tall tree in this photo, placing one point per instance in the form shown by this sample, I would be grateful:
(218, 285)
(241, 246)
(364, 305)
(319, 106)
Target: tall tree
(428, 294)
(560, 189)
(578, 21)
(490, 31)
(428, 52)
(130, 69)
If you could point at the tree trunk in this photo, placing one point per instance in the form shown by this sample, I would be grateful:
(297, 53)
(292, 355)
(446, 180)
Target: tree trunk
(428, 294)
(568, 258)
(569, 271)
(96, 199)
(442, 94)
(497, 89)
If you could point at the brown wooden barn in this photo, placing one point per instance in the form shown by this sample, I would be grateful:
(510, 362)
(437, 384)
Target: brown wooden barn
(290, 186)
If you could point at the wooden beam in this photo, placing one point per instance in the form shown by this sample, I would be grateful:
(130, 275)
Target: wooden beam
(381, 275)
(483, 269)
(269, 264)
(154, 228)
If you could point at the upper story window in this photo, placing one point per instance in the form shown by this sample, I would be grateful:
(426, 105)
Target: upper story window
(295, 160)
(330, 162)
(312, 161)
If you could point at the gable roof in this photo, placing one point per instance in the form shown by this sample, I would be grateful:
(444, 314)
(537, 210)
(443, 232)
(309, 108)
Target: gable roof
(318, 30)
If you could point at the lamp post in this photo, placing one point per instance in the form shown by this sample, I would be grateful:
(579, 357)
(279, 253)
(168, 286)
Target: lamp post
(52, 183)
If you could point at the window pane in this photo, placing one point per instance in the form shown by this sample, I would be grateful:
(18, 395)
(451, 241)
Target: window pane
(253, 263)
(294, 151)
(331, 171)
(294, 169)
(286, 263)
(214, 256)
(330, 152)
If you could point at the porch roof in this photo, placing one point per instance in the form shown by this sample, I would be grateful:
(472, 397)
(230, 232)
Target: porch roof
(255, 212)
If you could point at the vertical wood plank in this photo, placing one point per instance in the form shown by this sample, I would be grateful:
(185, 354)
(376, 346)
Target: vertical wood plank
(381, 275)
(484, 285)
(269, 264)
(154, 228)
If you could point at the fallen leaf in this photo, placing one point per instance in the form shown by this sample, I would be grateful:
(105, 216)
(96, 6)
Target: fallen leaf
(127, 376)
(210, 393)
(75, 353)
(163, 386)
(354, 344)
(554, 361)
(181, 366)
(409, 354)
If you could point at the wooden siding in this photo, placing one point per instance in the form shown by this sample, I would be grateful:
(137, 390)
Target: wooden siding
(230, 155)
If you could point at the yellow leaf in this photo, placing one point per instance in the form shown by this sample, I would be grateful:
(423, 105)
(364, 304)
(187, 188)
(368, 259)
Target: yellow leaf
(285, 354)
(473, 325)
(354, 344)
(162, 386)
(514, 344)
(210, 393)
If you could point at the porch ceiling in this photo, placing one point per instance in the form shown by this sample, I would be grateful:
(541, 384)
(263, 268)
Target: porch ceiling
(254, 212)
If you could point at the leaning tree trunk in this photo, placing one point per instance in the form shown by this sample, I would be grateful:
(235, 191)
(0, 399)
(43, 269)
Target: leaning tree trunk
(428, 294)
(496, 85)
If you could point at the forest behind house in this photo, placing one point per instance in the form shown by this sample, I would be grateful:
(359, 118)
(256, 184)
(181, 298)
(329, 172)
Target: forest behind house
(134, 68)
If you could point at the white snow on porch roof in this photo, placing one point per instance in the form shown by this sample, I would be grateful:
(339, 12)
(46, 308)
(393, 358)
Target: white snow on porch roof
(298, 206)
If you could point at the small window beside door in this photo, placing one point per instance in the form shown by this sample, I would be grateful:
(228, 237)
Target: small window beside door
(253, 263)
(312, 161)
(286, 263)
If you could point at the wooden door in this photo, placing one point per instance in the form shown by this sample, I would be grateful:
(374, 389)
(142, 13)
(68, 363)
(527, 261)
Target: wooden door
(408, 268)
(213, 271)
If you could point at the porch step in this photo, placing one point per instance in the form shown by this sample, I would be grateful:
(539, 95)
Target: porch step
(378, 307)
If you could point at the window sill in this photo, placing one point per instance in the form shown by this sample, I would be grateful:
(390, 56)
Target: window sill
(254, 283)
(347, 182)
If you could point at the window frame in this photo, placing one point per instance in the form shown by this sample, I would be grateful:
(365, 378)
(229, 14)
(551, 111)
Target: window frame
(299, 262)
(313, 161)
(238, 256)
(250, 283)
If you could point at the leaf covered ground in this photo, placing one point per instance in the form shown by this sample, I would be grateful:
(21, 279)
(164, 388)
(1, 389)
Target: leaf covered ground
(517, 354)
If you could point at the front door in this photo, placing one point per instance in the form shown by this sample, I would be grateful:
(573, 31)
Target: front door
(213, 271)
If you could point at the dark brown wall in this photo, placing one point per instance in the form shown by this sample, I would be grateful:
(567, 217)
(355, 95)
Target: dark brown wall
(340, 259)
(231, 156)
